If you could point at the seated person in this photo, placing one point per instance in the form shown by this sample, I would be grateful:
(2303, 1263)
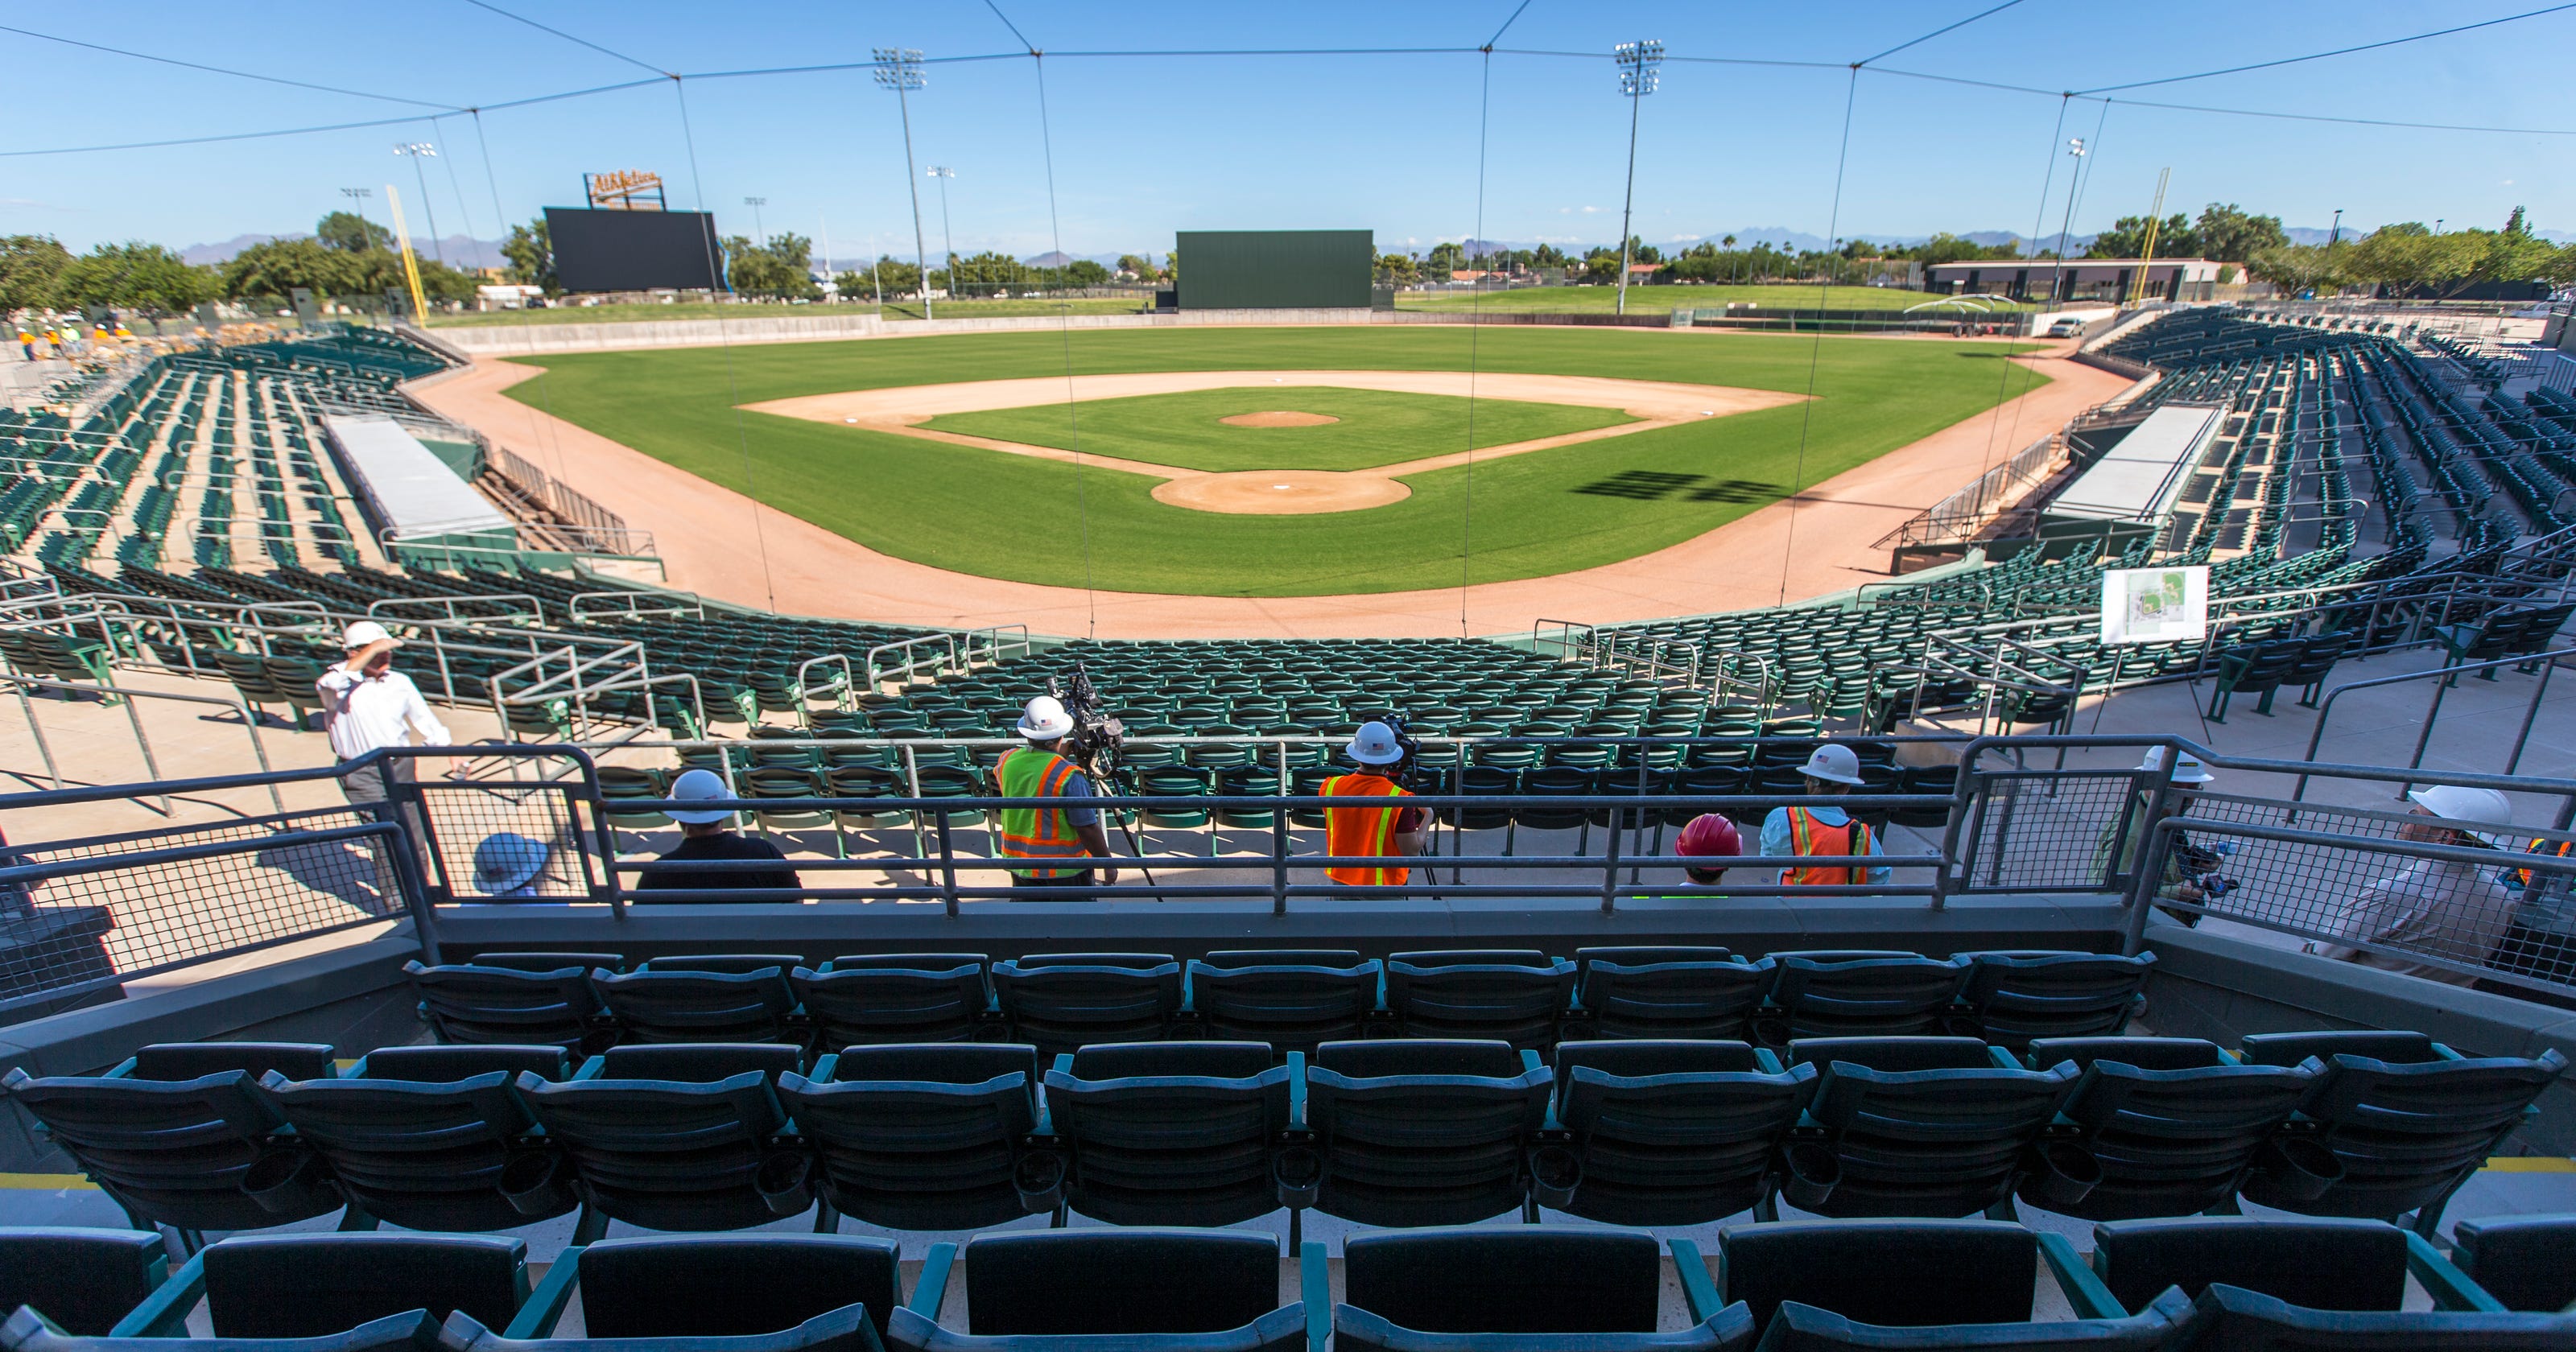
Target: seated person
(1708, 836)
(2438, 907)
(707, 833)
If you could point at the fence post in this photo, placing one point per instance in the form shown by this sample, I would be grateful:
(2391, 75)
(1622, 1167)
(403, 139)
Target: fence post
(1610, 864)
(947, 866)
(1279, 853)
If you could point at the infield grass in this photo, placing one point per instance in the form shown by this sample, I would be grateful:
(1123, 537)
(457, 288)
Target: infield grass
(1039, 520)
(1373, 427)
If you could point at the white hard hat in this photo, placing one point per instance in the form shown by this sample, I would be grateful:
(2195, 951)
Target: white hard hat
(1375, 744)
(1833, 763)
(2187, 767)
(700, 786)
(1045, 719)
(2454, 802)
(360, 633)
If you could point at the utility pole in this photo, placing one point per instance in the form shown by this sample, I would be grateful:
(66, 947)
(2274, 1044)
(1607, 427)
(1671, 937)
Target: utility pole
(1637, 78)
(759, 231)
(947, 238)
(416, 151)
(899, 69)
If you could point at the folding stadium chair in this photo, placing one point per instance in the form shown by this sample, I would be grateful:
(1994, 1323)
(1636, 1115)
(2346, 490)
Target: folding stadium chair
(171, 1134)
(927, 1137)
(2408, 1119)
(309, 1286)
(1673, 1132)
(1921, 1126)
(1857, 993)
(81, 1280)
(1175, 1133)
(1516, 995)
(423, 1137)
(1916, 1284)
(734, 997)
(1058, 1002)
(1424, 1132)
(2172, 1123)
(514, 999)
(698, 1287)
(674, 1137)
(1665, 993)
(1292, 999)
(895, 997)
(1476, 1288)
(2013, 997)
(1072, 1290)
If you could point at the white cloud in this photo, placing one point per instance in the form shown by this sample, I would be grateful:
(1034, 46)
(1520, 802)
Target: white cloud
(1589, 210)
(1687, 239)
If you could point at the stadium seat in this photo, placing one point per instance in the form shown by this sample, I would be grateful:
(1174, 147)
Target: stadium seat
(894, 997)
(492, 999)
(1423, 1132)
(1057, 1002)
(2409, 1120)
(1515, 995)
(171, 1134)
(1493, 1289)
(81, 1280)
(422, 1137)
(2237, 1320)
(1857, 993)
(1916, 1284)
(1170, 1133)
(741, 997)
(2315, 1263)
(2172, 1123)
(27, 1330)
(674, 1153)
(1672, 1132)
(722, 1286)
(2525, 1262)
(927, 1137)
(1292, 999)
(1077, 1290)
(2013, 997)
(1666, 993)
(308, 1286)
(1922, 1126)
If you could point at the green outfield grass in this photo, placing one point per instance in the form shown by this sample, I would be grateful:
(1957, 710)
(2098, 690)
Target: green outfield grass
(1039, 520)
(1376, 427)
(1658, 300)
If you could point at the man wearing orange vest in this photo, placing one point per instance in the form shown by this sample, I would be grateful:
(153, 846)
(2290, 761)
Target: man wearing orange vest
(1354, 831)
(1070, 836)
(1823, 831)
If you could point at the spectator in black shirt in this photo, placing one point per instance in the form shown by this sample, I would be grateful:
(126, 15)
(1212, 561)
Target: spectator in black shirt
(709, 834)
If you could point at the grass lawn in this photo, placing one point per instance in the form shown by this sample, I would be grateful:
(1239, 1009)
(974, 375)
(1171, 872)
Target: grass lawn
(1658, 300)
(1026, 518)
(1376, 427)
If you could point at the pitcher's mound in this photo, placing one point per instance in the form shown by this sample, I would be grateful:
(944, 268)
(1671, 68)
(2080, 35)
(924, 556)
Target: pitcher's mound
(1278, 418)
(1281, 492)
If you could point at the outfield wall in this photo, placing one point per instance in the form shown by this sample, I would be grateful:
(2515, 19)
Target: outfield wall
(521, 339)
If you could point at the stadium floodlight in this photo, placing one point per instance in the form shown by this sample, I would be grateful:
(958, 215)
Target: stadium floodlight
(2057, 274)
(756, 203)
(416, 151)
(899, 69)
(947, 237)
(358, 199)
(1638, 76)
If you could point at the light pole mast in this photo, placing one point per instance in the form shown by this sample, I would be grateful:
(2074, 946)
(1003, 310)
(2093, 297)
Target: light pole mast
(2057, 275)
(358, 199)
(899, 69)
(756, 203)
(416, 151)
(947, 237)
(1637, 78)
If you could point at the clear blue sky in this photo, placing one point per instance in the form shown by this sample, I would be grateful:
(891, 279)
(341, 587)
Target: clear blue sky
(1144, 146)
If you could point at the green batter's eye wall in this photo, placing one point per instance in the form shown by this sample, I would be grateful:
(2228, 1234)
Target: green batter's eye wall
(1276, 269)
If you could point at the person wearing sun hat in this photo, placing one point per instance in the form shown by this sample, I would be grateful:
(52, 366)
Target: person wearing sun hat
(367, 706)
(2185, 862)
(507, 865)
(706, 833)
(2438, 907)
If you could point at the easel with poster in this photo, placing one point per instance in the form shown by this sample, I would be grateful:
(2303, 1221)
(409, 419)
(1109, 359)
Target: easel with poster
(2151, 605)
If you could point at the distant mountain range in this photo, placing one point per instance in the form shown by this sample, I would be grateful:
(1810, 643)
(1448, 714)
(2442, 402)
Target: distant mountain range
(461, 251)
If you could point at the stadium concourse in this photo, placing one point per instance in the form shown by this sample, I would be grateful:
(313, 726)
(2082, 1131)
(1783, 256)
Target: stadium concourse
(2164, 970)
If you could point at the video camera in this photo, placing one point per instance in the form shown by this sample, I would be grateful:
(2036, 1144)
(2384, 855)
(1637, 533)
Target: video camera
(1096, 737)
(1408, 769)
(2201, 864)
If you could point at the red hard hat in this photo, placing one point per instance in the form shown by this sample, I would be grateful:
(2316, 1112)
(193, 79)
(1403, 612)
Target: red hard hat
(1710, 834)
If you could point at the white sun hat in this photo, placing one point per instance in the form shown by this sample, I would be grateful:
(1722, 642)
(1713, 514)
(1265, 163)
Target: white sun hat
(699, 786)
(360, 633)
(1833, 763)
(1045, 719)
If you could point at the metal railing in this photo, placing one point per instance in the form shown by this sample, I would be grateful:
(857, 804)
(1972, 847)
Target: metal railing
(20, 685)
(2443, 677)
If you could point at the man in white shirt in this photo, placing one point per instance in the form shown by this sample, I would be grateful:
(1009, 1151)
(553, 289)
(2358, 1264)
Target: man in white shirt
(2435, 906)
(366, 705)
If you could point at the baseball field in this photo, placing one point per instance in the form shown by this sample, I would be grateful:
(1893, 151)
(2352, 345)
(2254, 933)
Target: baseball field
(1268, 462)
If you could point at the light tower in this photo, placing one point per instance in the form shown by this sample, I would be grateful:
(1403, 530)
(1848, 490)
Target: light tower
(1638, 77)
(358, 200)
(899, 69)
(416, 151)
(2057, 275)
(762, 231)
(947, 237)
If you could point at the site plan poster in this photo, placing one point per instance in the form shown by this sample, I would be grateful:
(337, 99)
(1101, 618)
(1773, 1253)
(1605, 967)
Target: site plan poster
(2155, 605)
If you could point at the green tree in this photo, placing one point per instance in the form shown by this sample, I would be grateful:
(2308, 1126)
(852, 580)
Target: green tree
(897, 276)
(1396, 269)
(135, 276)
(780, 269)
(1135, 265)
(2227, 233)
(531, 251)
(31, 270)
(1446, 256)
(351, 233)
(2127, 238)
(1085, 272)
(2296, 267)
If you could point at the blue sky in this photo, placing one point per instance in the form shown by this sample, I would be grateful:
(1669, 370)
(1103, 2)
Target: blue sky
(1147, 145)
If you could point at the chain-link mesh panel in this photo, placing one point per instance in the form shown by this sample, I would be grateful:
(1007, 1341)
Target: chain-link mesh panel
(505, 841)
(2047, 830)
(62, 932)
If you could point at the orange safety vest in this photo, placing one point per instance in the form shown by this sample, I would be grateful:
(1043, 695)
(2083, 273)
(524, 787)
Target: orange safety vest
(1355, 831)
(1037, 832)
(1808, 836)
(2521, 877)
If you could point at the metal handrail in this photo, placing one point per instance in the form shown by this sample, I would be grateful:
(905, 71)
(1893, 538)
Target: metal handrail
(536, 608)
(2446, 674)
(948, 639)
(20, 684)
(672, 603)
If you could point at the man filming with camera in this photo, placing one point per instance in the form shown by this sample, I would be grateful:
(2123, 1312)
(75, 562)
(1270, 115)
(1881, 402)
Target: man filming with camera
(1067, 837)
(1354, 831)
